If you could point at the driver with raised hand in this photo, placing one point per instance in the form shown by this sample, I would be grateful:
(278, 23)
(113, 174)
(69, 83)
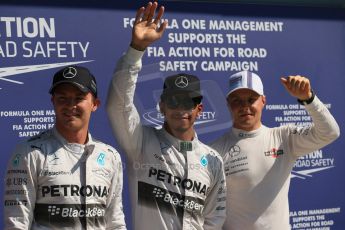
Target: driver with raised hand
(176, 182)
(258, 160)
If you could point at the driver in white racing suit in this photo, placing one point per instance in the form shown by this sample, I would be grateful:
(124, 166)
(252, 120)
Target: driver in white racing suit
(258, 160)
(63, 178)
(176, 182)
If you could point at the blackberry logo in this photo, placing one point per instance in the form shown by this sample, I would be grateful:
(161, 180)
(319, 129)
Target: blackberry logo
(53, 210)
(158, 193)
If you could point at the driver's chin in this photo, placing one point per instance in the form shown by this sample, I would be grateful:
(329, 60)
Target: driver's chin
(181, 124)
(181, 129)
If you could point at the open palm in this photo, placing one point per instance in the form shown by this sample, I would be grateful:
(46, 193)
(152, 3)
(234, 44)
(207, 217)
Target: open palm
(146, 30)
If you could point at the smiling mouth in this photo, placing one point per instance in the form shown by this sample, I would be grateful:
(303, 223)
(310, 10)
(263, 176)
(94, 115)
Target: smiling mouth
(246, 115)
(71, 115)
(182, 118)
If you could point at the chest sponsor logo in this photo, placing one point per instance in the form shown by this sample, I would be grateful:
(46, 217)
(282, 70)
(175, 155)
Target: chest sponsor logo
(16, 192)
(168, 201)
(102, 172)
(274, 152)
(53, 159)
(246, 135)
(54, 173)
(204, 161)
(185, 203)
(17, 171)
(15, 181)
(70, 215)
(187, 184)
(16, 160)
(16, 202)
(73, 212)
(66, 190)
(101, 159)
(235, 162)
(234, 151)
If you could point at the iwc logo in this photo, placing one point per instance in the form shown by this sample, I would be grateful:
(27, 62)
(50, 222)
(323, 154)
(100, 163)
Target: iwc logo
(181, 82)
(69, 72)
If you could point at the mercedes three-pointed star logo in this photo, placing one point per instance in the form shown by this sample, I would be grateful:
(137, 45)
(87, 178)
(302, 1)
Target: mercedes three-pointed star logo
(181, 82)
(69, 72)
(234, 151)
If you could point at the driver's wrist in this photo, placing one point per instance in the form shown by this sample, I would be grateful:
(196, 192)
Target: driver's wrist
(137, 47)
(309, 100)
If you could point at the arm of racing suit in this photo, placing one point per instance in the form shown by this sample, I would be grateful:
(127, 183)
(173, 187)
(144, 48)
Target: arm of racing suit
(115, 216)
(20, 189)
(321, 132)
(215, 204)
(122, 113)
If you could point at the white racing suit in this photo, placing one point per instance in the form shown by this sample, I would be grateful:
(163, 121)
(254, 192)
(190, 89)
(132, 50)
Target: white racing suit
(171, 187)
(258, 164)
(52, 184)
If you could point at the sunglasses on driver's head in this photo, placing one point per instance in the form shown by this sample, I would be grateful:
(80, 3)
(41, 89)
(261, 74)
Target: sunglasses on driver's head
(184, 102)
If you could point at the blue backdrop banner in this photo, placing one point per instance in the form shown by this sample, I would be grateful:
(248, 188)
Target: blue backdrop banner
(210, 42)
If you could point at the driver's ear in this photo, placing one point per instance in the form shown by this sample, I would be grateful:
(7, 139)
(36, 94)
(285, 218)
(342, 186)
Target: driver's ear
(96, 104)
(199, 108)
(161, 108)
(263, 99)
